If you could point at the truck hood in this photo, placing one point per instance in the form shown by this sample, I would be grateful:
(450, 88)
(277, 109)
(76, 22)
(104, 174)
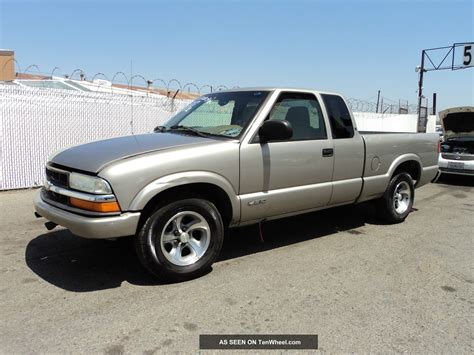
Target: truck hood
(94, 156)
(457, 122)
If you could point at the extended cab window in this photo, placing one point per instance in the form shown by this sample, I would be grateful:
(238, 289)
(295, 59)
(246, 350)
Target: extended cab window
(339, 116)
(303, 112)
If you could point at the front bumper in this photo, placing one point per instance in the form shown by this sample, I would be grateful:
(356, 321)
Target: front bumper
(88, 227)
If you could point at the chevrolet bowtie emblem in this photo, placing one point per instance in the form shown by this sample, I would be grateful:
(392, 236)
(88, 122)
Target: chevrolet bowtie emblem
(47, 185)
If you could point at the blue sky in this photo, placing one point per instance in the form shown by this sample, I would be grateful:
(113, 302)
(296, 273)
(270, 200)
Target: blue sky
(352, 47)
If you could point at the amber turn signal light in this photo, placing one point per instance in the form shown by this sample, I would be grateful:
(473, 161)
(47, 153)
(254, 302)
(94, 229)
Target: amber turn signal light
(95, 206)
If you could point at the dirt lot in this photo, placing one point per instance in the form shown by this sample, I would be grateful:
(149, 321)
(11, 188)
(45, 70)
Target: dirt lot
(362, 286)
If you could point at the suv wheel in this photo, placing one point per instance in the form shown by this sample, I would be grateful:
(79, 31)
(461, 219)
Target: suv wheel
(181, 240)
(397, 201)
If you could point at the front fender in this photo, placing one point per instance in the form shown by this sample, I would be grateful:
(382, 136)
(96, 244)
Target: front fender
(185, 178)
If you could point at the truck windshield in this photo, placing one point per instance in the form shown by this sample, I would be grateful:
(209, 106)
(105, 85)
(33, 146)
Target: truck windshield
(222, 114)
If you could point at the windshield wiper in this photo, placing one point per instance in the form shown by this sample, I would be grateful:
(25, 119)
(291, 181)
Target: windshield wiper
(191, 130)
(187, 129)
(160, 129)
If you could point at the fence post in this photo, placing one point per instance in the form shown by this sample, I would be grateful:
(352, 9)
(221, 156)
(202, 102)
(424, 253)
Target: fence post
(378, 98)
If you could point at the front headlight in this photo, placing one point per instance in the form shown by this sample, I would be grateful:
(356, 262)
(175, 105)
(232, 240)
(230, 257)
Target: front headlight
(86, 183)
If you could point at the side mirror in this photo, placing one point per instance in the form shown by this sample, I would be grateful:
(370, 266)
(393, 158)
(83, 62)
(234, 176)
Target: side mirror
(275, 131)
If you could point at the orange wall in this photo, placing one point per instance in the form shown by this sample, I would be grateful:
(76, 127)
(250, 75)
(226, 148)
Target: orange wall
(7, 65)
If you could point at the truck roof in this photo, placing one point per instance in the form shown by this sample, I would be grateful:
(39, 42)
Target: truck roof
(282, 88)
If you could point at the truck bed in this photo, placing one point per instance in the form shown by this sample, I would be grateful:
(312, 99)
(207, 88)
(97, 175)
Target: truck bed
(382, 149)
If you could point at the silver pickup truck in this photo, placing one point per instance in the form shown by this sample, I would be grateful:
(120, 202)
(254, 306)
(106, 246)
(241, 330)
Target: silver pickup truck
(229, 159)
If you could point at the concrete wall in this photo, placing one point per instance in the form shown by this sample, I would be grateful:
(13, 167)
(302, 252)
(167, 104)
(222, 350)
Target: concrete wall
(369, 121)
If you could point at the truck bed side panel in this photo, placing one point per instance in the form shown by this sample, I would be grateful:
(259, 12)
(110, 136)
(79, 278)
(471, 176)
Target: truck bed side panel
(385, 152)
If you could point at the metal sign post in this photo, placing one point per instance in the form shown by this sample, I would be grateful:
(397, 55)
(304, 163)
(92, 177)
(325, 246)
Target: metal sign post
(456, 61)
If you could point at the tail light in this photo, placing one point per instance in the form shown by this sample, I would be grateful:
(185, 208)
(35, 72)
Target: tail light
(439, 147)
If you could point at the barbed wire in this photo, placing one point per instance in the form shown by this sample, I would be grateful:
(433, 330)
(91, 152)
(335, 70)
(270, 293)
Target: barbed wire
(32, 66)
(402, 107)
(385, 105)
(167, 85)
(54, 69)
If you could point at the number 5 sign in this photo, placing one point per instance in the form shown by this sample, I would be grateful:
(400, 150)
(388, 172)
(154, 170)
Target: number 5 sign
(467, 59)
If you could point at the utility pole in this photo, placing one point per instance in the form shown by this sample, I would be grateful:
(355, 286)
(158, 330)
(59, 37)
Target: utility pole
(434, 104)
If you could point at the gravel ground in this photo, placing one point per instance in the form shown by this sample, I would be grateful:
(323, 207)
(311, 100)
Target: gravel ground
(361, 286)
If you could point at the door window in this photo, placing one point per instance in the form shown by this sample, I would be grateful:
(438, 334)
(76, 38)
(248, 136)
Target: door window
(303, 112)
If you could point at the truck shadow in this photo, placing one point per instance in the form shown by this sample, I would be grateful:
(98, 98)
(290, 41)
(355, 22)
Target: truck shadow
(287, 231)
(81, 265)
(456, 180)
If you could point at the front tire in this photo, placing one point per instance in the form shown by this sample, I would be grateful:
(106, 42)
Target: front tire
(397, 201)
(181, 240)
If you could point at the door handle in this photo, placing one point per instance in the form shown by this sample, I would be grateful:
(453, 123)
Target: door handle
(328, 152)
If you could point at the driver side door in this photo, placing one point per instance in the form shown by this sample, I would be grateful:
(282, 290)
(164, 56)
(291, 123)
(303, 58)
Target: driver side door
(284, 177)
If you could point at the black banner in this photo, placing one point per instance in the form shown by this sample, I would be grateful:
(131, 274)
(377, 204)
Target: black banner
(258, 341)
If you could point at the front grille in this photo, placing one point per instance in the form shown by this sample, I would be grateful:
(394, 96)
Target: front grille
(57, 178)
(53, 196)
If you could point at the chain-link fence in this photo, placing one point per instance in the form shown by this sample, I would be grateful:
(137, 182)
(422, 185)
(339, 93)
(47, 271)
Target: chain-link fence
(36, 122)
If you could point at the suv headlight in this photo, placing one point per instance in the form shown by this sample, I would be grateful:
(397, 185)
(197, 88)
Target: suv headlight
(86, 183)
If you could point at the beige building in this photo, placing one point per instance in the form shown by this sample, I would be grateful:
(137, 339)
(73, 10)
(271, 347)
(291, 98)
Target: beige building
(7, 65)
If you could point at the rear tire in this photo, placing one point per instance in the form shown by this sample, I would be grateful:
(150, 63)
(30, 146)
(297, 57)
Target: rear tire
(181, 240)
(397, 201)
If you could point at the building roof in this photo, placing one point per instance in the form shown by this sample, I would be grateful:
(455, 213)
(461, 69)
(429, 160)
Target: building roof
(42, 81)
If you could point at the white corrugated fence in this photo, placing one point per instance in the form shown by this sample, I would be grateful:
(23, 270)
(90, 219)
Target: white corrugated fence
(36, 122)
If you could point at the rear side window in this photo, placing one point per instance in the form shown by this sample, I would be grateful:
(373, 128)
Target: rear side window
(339, 116)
